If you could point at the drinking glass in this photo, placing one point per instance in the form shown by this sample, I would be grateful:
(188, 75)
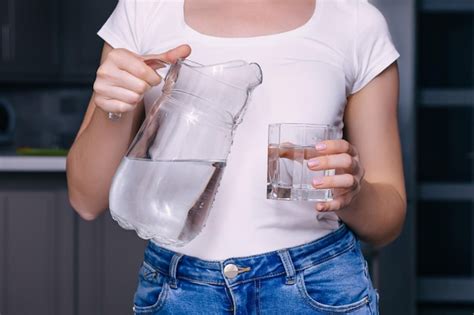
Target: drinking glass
(290, 146)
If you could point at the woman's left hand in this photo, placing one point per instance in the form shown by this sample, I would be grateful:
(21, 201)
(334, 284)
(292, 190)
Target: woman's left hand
(343, 157)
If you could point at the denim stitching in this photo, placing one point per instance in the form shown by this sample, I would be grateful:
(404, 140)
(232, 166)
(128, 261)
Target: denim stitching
(156, 269)
(370, 308)
(351, 246)
(234, 304)
(173, 269)
(257, 296)
(370, 288)
(158, 304)
(321, 307)
(229, 299)
(288, 265)
(318, 262)
(148, 266)
(328, 308)
(377, 301)
(201, 282)
(270, 275)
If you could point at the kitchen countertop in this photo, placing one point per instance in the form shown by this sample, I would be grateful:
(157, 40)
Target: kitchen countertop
(15, 163)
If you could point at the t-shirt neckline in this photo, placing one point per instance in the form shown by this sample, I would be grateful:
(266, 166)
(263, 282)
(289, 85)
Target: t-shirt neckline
(314, 17)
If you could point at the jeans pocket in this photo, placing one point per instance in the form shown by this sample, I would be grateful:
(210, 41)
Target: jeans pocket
(151, 291)
(338, 285)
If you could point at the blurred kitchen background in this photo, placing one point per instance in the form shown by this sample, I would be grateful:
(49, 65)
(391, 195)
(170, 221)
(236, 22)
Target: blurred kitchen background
(53, 262)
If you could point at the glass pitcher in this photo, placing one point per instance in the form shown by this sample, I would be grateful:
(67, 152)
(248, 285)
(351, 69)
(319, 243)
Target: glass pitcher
(166, 183)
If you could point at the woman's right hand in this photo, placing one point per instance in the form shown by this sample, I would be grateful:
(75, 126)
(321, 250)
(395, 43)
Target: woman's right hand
(124, 77)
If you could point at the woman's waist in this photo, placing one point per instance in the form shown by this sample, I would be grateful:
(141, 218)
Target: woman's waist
(243, 233)
(251, 267)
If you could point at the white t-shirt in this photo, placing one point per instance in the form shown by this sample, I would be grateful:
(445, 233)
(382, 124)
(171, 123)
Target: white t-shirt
(308, 74)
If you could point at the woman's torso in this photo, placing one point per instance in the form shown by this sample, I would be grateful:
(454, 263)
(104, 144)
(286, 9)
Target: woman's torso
(306, 79)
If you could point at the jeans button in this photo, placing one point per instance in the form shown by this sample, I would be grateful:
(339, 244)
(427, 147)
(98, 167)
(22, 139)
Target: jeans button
(231, 271)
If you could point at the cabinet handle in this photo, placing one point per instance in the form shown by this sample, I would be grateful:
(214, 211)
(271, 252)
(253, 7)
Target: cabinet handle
(6, 42)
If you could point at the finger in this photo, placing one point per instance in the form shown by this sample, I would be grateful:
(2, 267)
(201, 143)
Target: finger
(172, 55)
(335, 146)
(118, 93)
(112, 106)
(347, 181)
(134, 64)
(130, 82)
(332, 205)
(113, 75)
(342, 161)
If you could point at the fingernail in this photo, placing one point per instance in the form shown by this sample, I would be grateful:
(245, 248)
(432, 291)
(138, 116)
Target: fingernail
(317, 181)
(320, 146)
(319, 207)
(313, 162)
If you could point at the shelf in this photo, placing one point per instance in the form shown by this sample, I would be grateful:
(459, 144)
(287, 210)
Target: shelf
(447, 5)
(446, 97)
(448, 290)
(446, 191)
(32, 164)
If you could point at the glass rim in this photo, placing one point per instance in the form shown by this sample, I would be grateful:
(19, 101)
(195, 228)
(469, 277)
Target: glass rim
(305, 125)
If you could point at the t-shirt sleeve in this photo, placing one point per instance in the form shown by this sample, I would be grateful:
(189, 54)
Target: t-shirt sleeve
(126, 25)
(374, 50)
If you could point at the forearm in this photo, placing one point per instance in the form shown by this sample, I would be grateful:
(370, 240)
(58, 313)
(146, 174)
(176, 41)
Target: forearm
(376, 214)
(94, 158)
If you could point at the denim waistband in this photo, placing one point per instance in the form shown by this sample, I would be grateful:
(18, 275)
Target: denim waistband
(285, 261)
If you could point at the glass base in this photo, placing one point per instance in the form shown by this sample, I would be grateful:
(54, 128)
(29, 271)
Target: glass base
(305, 194)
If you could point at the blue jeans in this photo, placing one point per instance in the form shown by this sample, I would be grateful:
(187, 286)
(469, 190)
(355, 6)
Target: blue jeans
(326, 276)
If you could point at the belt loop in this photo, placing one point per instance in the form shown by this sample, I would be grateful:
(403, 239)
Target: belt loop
(173, 270)
(289, 267)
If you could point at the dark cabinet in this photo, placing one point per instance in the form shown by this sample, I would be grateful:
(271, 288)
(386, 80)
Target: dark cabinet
(108, 262)
(446, 48)
(30, 40)
(5, 31)
(452, 127)
(445, 150)
(36, 254)
(52, 262)
(51, 41)
(81, 47)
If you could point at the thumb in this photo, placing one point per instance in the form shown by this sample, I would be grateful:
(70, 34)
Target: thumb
(170, 56)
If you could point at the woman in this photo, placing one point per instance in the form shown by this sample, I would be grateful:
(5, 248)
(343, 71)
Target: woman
(324, 61)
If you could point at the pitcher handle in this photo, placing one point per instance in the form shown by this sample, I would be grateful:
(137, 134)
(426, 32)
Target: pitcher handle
(160, 66)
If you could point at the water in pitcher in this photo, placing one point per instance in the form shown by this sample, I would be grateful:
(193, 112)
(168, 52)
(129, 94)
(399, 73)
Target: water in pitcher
(289, 177)
(169, 199)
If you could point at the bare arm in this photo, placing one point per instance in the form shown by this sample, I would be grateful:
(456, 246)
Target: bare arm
(374, 204)
(96, 154)
(378, 212)
(122, 79)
